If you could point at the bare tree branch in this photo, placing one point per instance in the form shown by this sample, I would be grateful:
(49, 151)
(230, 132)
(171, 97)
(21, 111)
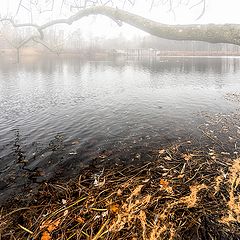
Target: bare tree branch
(19, 5)
(24, 25)
(48, 5)
(39, 41)
(24, 42)
(227, 33)
(203, 3)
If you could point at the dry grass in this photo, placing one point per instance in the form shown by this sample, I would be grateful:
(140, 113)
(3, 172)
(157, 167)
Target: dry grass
(179, 196)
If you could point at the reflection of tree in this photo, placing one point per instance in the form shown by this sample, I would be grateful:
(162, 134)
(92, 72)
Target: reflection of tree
(155, 69)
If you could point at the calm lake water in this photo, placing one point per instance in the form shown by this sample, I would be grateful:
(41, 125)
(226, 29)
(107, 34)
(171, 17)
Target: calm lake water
(82, 108)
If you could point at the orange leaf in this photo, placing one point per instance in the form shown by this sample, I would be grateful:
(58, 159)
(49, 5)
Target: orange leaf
(164, 183)
(187, 157)
(54, 225)
(114, 208)
(46, 236)
(137, 191)
(80, 220)
(50, 225)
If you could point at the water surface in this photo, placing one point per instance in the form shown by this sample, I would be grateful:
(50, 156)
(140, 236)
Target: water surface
(82, 108)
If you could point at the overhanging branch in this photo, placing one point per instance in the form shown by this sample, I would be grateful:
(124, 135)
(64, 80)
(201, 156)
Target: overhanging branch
(213, 33)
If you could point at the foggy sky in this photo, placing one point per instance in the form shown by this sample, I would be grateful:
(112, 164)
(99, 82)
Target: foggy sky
(217, 11)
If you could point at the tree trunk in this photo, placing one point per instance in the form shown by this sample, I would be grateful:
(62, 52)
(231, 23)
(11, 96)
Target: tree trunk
(18, 55)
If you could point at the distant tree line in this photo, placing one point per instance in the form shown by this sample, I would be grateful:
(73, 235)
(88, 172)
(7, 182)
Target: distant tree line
(56, 40)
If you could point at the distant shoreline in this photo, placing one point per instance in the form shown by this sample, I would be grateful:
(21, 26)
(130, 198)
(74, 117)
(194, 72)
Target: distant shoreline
(31, 52)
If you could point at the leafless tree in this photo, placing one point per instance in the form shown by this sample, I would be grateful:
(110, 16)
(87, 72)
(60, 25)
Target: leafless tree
(116, 10)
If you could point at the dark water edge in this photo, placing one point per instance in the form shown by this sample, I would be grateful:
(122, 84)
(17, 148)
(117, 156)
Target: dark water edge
(165, 102)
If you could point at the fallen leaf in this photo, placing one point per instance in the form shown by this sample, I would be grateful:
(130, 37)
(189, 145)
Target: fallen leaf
(181, 176)
(119, 192)
(162, 151)
(164, 183)
(114, 208)
(80, 220)
(187, 157)
(54, 225)
(136, 191)
(46, 236)
(50, 225)
(167, 158)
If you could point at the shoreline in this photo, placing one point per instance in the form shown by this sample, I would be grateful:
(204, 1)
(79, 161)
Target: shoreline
(31, 52)
(179, 195)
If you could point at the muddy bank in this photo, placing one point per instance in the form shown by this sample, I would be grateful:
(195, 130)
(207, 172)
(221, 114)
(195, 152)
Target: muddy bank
(184, 190)
(180, 194)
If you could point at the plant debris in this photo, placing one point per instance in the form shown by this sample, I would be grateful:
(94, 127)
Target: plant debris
(180, 195)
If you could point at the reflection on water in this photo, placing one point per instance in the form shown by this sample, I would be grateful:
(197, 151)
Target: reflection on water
(87, 107)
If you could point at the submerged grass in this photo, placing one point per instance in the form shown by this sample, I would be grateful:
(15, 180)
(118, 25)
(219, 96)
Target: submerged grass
(190, 195)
